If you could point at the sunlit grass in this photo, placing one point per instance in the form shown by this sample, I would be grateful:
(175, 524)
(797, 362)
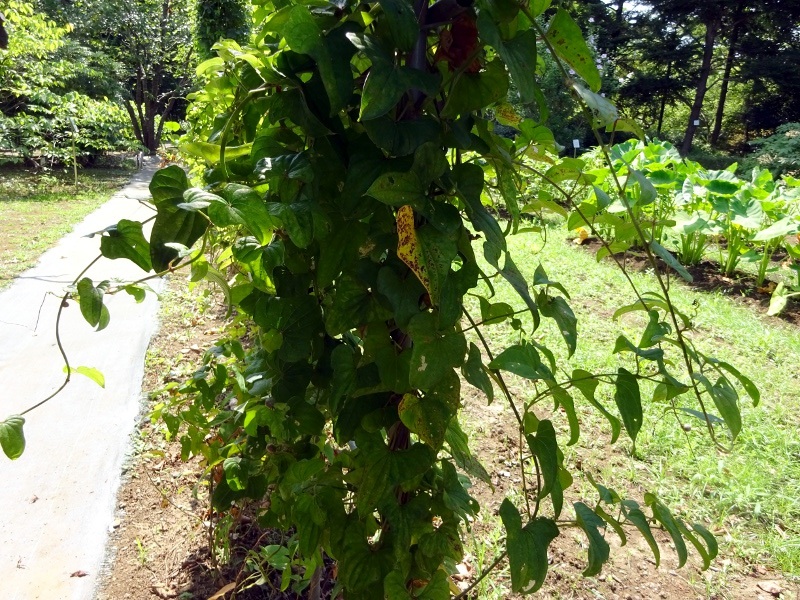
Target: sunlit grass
(37, 209)
(749, 497)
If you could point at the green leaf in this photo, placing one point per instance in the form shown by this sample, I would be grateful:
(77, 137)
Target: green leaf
(167, 187)
(399, 189)
(512, 275)
(469, 183)
(301, 31)
(603, 111)
(587, 384)
(171, 227)
(90, 372)
(635, 515)
(747, 384)
(526, 548)
(125, 240)
(522, 360)
(663, 515)
(629, 402)
(402, 22)
(726, 400)
(567, 40)
(544, 446)
(435, 353)
(475, 373)
(647, 192)
(564, 400)
(427, 251)
(12, 438)
(91, 302)
(211, 152)
(557, 309)
(459, 448)
(379, 470)
(353, 305)
(598, 546)
(518, 53)
(403, 137)
(242, 205)
(427, 417)
(473, 91)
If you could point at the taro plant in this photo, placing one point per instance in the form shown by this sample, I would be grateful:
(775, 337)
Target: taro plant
(344, 157)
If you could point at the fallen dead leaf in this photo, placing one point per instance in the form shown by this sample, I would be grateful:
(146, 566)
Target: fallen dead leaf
(224, 590)
(79, 574)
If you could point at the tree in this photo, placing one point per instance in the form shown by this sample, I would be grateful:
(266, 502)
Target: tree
(345, 188)
(220, 19)
(150, 42)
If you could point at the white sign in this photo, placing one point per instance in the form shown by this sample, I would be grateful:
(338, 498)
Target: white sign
(576, 143)
(696, 122)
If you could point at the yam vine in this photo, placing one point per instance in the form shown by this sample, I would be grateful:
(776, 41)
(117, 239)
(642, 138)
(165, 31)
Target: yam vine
(349, 167)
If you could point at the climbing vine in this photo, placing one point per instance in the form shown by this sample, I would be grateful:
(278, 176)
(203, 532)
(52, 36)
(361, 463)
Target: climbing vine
(349, 170)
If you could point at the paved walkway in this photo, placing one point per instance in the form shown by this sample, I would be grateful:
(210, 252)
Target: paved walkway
(57, 499)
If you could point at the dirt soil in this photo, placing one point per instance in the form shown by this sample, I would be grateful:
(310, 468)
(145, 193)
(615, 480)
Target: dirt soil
(160, 545)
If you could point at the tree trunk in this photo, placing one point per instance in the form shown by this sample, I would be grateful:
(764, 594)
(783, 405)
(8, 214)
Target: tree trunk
(712, 28)
(663, 105)
(729, 59)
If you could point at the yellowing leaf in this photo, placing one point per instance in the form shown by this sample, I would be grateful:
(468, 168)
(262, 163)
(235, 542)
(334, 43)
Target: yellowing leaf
(427, 251)
(409, 249)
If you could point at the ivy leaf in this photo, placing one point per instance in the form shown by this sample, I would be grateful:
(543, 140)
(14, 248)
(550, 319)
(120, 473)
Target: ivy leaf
(301, 31)
(557, 309)
(469, 183)
(603, 111)
(544, 446)
(435, 353)
(526, 548)
(125, 240)
(663, 515)
(459, 447)
(403, 137)
(726, 400)
(598, 546)
(399, 189)
(668, 258)
(512, 275)
(475, 373)
(354, 304)
(242, 205)
(567, 40)
(473, 91)
(427, 417)
(12, 438)
(629, 402)
(427, 251)
(167, 187)
(91, 303)
(518, 53)
(378, 470)
(635, 515)
(402, 22)
(587, 384)
(522, 360)
(174, 227)
(90, 372)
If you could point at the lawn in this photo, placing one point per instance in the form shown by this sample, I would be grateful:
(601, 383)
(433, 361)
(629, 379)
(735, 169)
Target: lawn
(749, 497)
(37, 209)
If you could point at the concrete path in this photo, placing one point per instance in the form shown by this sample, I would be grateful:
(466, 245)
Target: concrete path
(57, 500)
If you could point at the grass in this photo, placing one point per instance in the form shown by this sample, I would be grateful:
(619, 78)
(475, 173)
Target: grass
(38, 209)
(750, 497)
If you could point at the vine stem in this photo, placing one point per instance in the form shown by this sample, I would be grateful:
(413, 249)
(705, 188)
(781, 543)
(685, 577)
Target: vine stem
(507, 393)
(639, 232)
(59, 344)
(483, 575)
